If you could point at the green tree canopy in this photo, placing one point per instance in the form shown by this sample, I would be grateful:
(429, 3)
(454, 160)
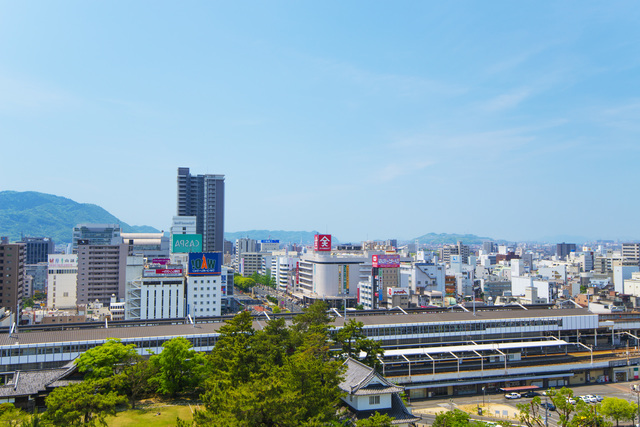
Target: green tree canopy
(179, 368)
(107, 359)
(83, 404)
(618, 409)
(376, 420)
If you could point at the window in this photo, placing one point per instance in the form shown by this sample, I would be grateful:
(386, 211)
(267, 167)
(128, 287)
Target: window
(374, 400)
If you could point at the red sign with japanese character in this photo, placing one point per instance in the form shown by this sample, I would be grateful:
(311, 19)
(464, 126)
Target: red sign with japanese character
(322, 242)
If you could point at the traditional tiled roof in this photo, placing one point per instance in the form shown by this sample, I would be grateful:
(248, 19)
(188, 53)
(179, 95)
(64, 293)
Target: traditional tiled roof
(358, 376)
(29, 383)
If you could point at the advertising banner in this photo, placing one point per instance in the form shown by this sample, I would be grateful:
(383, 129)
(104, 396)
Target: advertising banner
(184, 243)
(59, 262)
(322, 242)
(162, 272)
(205, 264)
(386, 261)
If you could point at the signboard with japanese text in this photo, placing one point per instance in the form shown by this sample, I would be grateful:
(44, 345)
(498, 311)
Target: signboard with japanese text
(386, 261)
(322, 242)
(162, 272)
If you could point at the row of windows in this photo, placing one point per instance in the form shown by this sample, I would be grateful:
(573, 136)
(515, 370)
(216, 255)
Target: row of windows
(434, 328)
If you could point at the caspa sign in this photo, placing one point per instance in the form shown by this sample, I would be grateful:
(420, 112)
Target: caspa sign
(183, 243)
(322, 242)
(205, 264)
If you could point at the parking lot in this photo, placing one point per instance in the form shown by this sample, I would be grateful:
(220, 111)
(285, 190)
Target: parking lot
(621, 390)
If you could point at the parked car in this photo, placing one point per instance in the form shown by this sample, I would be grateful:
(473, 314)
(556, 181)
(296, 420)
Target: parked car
(590, 398)
(571, 400)
(529, 393)
(598, 398)
(512, 396)
(548, 405)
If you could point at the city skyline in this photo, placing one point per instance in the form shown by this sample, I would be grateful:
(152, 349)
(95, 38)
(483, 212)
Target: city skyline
(515, 121)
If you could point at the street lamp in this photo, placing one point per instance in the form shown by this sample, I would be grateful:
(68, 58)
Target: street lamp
(483, 393)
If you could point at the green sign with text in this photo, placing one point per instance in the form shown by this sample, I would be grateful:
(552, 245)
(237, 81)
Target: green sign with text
(184, 243)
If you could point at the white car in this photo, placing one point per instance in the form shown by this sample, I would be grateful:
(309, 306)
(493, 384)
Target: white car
(591, 398)
(512, 396)
(571, 400)
(598, 398)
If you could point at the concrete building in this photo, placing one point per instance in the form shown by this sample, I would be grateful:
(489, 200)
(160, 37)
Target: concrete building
(631, 253)
(96, 234)
(149, 245)
(38, 273)
(244, 245)
(269, 245)
(158, 294)
(622, 273)
(564, 249)
(62, 281)
(38, 249)
(101, 272)
(183, 225)
(12, 272)
(206, 284)
(202, 196)
(249, 263)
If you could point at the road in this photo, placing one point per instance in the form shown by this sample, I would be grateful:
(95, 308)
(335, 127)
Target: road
(284, 301)
(621, 390)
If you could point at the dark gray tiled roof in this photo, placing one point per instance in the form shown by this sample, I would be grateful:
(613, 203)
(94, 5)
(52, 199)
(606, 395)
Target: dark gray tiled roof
(357, 377)
(29, 383)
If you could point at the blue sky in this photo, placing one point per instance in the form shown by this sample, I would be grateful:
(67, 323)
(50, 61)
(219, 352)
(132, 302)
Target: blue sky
(364, 119)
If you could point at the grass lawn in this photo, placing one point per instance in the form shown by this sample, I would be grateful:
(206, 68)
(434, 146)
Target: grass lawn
(148, 416)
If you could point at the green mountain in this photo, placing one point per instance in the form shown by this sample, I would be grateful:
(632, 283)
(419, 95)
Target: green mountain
(451, 239)
(44, 215)
(304, 237)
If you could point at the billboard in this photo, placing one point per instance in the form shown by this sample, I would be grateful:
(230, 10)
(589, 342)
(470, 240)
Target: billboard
(183, 243)
(397, 291)
(386, 261)
(205, 264)
(59, 262)
(270, 241)
(322, 242)
(162, 272)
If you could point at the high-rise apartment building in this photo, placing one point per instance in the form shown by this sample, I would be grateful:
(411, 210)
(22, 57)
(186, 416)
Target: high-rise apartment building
(202, 196)
(101, 272)
(96, 234)
(12, 262)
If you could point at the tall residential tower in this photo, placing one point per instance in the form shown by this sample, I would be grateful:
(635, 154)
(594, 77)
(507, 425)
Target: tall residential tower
(202, 196)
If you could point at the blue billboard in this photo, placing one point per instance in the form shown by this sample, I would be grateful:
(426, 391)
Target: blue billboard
(205, 263)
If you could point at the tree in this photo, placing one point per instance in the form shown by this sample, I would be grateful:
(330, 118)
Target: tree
(564, 408)
(455, 418)
(134, 381)
(82, 404)
(348, 335)
(107, 359)
(376, 420)
(179, 368)
(618, 409)
(531, 413)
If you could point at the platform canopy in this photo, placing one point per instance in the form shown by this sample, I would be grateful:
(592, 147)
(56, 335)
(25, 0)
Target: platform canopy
(472, 347)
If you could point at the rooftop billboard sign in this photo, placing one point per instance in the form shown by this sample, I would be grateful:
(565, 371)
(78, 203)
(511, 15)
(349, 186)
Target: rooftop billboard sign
(183, 243)
(205, 264)
(322, 242)
(386, 261)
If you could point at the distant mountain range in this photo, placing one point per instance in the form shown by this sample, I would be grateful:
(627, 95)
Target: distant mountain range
(36, 214)
(451, 239)
(300, 237)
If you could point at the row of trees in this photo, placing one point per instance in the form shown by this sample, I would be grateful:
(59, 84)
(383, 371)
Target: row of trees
(276, 376)
(581, 414)
(532, 414)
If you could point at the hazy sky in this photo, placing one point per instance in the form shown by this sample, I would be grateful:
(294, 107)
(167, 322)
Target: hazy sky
(365, 119)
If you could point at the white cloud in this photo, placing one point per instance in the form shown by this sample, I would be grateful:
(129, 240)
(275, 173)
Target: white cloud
(507, 100)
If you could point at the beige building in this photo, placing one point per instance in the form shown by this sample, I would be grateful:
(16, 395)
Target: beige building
(101, 273)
